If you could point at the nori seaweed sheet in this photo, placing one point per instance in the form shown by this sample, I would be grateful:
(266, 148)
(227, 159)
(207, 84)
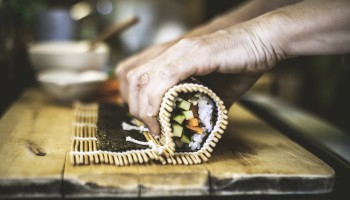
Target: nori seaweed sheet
(187, 96)
(110, 134)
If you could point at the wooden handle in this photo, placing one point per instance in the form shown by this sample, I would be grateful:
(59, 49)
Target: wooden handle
(114, 29)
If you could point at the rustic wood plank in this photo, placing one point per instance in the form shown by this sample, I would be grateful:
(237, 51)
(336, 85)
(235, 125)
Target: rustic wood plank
(150, 180)
(170, 180)
(100, 181)
(253, 158)
(34, 139)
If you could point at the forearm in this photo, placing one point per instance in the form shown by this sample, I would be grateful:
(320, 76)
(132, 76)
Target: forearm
(242, 13)
(312, 27)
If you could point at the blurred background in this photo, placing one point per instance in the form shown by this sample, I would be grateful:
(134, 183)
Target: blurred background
(318, 84)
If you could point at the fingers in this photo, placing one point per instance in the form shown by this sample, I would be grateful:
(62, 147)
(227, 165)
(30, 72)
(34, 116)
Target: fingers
(147, 87)
(163, 80)
(122, 70)
(147, 117)
(134, 62)
(138, 80)
(148, 84)
(133, 94)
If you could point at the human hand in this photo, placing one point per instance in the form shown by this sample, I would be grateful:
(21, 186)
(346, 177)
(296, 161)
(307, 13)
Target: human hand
(134, 62)
(244, 51)
(240, 53)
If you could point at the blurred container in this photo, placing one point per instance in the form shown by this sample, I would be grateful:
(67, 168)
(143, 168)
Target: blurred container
(67, 86)
(53, 24)
(72, 55)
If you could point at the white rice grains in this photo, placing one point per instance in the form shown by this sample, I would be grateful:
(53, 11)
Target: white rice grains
(205, 111)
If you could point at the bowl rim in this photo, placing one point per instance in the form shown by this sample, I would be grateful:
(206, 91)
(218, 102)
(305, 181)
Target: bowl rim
(102, 47)
(40, 77)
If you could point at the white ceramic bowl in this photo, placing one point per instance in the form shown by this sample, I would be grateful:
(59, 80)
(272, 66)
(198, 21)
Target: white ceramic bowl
(69, 85)
(72, 55)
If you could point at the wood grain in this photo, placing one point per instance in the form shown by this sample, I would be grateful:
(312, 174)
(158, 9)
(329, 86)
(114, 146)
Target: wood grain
(254, 158)
(34, 139)
(251, 158)
(173, 180)
(100, 181)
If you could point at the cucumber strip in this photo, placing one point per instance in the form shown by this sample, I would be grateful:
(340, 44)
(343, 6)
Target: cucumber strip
(179, 118)
(177, 130)
(185, 139)
(188, 114)
(184, 105)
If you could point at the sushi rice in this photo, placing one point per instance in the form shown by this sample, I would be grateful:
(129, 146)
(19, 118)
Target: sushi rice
(205, 112)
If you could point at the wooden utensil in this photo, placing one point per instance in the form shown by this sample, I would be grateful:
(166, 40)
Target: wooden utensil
(117, 28)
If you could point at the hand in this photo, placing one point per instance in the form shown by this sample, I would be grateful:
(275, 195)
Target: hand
(242, 52)
(134, 62)
(238, 52)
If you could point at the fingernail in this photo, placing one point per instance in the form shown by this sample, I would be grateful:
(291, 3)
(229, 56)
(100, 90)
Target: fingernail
(155, 136)
(150, 111)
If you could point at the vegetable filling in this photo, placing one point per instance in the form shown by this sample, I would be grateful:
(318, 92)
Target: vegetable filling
(192, 120)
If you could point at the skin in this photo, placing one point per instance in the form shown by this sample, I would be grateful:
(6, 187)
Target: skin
(230, 56)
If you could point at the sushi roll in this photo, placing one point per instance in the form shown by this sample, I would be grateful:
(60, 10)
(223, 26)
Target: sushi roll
(194, 117)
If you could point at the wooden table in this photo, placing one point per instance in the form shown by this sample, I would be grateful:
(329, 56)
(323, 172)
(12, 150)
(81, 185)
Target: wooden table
(251, 158)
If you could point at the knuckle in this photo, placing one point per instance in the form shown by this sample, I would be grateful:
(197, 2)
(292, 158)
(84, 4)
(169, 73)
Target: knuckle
(144, 79)
(197, 42)
(185, 42)
(131, 76)
(221, 32)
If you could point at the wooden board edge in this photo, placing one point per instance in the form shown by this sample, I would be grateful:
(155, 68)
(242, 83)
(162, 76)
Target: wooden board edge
(31, 188)
(171, 184)
(268, 184)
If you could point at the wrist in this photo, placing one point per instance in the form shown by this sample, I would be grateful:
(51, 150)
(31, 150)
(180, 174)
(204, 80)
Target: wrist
(248, 47)
(269, 36)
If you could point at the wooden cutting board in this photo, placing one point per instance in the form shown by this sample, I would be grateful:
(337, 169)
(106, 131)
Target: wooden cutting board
(251, 158)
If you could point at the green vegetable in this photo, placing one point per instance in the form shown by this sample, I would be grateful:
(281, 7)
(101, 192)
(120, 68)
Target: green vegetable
(179, 118)
(184, 105)
(177, 129)
(185, 139)
(188, 114)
